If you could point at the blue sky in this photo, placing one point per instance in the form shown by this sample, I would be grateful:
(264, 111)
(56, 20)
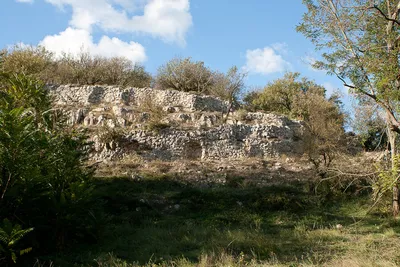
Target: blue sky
(257, 35)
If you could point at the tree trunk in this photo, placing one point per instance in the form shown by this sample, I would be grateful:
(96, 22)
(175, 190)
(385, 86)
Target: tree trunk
(395, 189)
(230, 106)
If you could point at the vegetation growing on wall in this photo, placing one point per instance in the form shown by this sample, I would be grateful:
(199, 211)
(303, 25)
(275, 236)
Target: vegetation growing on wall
(84, 68)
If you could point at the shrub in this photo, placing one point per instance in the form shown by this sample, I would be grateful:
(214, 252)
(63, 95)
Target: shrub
(29, 60)
(88, 69)
(109, 134)
(305, 100)
(44, 182)
(280, 95)
(10, 237)
(157, 114)
(249, 100)
(184, 75)
(193, 76)
(228, 87)
(325, 136)
(84, 68)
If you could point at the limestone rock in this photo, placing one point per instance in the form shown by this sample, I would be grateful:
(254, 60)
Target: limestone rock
(197, 130)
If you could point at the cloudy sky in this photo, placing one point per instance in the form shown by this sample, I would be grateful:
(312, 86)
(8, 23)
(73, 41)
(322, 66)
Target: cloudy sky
(256, 35)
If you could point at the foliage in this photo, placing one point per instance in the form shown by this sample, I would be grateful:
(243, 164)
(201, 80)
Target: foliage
(87, 69)
(370, 126)
(325, 137)
(306, 100)
(184, 75)
(10, 236)
(193, 76)
(43, 179)
(35, 61)
(82, 69)
(249, 100)
(228, 86)
(383, 184)
(281, 95)
(359, 41)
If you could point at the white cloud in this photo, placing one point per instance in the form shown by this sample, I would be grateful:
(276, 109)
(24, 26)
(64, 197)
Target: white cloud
(167, 19)
(280, 47)
(74, 41)
(265, 61)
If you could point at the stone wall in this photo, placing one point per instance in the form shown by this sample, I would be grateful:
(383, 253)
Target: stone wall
(193, 125)
(110, 95)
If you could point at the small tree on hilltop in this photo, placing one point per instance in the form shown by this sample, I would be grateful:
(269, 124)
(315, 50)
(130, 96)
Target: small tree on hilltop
(184, 75)
(280, 95)
(228, 86)
(305, 100)
(28, 60)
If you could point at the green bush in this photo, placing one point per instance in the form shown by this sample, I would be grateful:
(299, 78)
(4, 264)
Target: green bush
(305, 100)
(83, 69)
(187, 75)
(35, 61)
(10, 237)
(184, 75)
(44, 182)
(282, 95)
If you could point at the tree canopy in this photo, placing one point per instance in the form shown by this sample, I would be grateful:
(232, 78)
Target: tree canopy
(360, 41)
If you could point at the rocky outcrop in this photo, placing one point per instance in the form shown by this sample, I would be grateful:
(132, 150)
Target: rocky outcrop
(109, 95)
(169, 125)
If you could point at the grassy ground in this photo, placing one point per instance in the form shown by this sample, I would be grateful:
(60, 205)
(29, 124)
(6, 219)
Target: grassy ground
(161, 222)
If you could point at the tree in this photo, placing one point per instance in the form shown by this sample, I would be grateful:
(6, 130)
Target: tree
(359, 40)
(228, 86)
(370, 125)
(325, 135)
(44, 181)
(29, 60)
(83, 68)
(305, 100)
(249, 99)
(184, 75)
(280, 95)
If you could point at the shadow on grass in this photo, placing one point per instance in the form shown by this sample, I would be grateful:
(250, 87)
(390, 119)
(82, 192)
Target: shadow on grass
(163, 219)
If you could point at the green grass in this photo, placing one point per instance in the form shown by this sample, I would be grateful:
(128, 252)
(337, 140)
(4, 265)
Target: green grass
(161, 222)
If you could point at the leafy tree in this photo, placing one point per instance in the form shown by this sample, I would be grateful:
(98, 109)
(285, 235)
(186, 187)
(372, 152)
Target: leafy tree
(369, 124)
(44, 183)
(83, 68)
(305, 100)
(228, 86)
(359, 40)
(325, 138)
(280, 95)
(29, 60)
(184, 75)
(249, 99)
